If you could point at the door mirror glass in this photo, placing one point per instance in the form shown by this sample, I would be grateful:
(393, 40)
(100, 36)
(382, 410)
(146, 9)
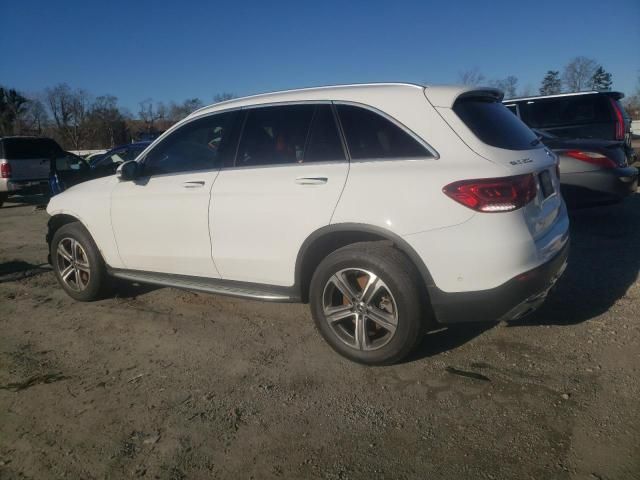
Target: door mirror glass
(128, 171)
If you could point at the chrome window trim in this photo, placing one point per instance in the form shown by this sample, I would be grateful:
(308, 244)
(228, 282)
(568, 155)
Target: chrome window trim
(348, 159)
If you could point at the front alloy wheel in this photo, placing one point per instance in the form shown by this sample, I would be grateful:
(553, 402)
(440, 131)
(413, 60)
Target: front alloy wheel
(77, 263)
(73, 264)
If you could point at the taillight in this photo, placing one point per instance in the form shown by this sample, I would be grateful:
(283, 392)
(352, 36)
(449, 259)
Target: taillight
(619, 119)
(5, 170)
(494, 194)
(593, 158)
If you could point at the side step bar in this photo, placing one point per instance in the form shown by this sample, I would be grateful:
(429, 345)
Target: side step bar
(254, 291)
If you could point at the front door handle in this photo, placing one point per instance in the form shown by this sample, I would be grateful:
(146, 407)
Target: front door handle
(311, 180)
(193, 184)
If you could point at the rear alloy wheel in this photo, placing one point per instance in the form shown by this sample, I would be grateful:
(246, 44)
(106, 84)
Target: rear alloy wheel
(78, 264)
(365, 301)
(360, 309)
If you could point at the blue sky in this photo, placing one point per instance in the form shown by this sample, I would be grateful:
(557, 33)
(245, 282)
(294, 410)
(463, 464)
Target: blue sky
(141, 49)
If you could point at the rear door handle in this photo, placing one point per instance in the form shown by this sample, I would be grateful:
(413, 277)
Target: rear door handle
(193, 184)
(311, 180)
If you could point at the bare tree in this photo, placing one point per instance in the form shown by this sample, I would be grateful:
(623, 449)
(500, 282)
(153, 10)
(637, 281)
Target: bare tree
(508, 85)
(222, 97)
(632, 103)
(472, 76)
(177, 112)
(578, 72)
(35, 117)
(69, 109)
(80, 107)
(149, 113)
(107, 123)
(526, 91)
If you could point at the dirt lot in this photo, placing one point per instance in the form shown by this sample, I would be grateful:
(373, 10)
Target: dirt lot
(159, 383)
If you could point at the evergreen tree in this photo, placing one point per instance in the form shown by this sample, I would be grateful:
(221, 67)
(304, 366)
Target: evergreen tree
(601, 80)
(551, 83)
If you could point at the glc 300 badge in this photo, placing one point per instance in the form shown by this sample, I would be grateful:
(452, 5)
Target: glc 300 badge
(521, 162)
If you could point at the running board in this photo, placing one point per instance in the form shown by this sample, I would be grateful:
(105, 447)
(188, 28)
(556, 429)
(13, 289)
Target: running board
(254, 291)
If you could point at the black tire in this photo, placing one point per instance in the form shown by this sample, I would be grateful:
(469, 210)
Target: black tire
(3, 197)
(97, 283)
(400, 279)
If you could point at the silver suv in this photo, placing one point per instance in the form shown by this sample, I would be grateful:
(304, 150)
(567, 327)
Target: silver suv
(24, 163)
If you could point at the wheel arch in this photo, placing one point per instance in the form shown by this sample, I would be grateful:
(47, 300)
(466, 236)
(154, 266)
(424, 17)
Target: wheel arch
(328, 239)
(57, 221)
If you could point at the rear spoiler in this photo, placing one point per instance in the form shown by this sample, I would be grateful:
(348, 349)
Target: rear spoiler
(447, 97)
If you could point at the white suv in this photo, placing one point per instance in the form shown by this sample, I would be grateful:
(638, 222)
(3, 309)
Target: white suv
(388, 207)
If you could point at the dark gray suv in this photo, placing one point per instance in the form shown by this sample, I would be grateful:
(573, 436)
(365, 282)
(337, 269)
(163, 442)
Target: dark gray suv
(592, 115)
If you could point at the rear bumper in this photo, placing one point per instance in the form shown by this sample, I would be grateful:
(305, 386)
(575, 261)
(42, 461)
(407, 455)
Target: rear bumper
(508, 301)
(10, 186)
(599, 187)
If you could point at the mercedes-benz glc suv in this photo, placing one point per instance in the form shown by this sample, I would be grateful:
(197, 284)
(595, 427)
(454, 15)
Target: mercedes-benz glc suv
(389, 208)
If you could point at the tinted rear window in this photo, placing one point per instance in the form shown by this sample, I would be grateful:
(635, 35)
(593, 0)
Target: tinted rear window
(556, 112)
(494, 124)
(25, 148)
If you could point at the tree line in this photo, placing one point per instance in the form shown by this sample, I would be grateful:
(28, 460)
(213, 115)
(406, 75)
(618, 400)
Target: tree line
(80, 121)
(580, 74)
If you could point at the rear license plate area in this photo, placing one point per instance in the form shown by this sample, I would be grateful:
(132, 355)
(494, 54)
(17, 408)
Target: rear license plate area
(546, 184)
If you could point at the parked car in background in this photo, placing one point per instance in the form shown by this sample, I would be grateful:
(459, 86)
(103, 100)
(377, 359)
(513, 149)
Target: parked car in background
(388, 207)
(93, 157)
(592, 171)
(118, 155)
(69, 169)
(25, 164)
(592, 115)
(66, 170)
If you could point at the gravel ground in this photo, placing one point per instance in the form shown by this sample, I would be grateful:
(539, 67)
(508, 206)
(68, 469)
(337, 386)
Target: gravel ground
(160, 383)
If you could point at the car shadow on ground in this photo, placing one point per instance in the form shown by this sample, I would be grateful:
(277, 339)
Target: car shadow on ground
(603, 263)
(447, 338)
(35, 200)
(126, 289)
(18, 269)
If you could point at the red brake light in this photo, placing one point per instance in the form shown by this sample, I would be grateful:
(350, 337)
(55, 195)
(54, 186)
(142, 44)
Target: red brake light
(494, 194)
(5, 170)
(619, 119)
(592, 157)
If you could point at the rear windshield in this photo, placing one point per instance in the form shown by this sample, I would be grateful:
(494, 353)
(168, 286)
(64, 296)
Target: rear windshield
(563, 111)
(26, 148)
(494, 124)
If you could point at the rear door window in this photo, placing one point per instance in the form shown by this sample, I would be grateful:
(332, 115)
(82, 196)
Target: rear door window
(369, 135)
(324, 143)
(563, 111)
(494, 124)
